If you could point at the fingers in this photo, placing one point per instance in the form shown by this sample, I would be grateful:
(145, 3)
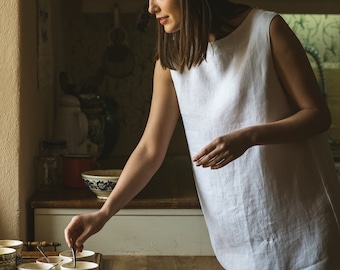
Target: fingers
(68, 236)
(209, 160)
(81, 227)
(214, 162)
(79, 248)
(205, 156)
(80, 241)
(208, 157)
(215, 155)
(74, 234)
(219, 164)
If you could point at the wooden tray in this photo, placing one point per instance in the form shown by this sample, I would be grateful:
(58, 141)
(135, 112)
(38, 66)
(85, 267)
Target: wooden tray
(31, 256)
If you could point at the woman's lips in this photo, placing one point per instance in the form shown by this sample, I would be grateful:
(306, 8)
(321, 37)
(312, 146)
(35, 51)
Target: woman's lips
(163, 20)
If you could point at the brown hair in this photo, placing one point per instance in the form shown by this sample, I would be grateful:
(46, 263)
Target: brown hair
(187, 47)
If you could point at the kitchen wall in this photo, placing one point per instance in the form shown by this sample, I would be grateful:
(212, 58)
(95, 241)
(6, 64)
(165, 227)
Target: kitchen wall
(87, 41)
(9, 114)
(26, 113)
(21, 115)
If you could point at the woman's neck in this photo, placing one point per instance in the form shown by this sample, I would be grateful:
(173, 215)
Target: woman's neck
(229, 27)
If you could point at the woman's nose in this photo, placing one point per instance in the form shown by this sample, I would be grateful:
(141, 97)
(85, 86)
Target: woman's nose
(152, 7)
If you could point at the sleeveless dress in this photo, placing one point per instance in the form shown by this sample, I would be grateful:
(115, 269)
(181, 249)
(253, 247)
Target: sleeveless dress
(276, 206)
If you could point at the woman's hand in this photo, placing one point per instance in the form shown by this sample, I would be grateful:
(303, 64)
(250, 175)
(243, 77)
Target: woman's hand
(223, 150)
(81, 228)
(142, 164)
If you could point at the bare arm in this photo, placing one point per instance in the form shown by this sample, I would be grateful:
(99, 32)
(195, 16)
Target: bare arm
(297, 78)
(151, 150)
(142, 164)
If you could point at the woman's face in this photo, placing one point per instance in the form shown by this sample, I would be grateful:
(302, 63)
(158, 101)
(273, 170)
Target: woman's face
(168, 13)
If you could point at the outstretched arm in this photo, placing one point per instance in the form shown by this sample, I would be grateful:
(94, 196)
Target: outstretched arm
(142, 164)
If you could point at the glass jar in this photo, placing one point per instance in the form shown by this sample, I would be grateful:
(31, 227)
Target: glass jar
(50, 164)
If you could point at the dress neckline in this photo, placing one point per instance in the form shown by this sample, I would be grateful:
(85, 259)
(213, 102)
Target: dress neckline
(237, 29)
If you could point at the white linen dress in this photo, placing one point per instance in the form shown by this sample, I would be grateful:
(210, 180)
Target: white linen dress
(276, 206)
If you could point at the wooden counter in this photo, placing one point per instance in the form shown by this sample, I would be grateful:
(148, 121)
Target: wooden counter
(142, 262)
(83, 198)
(161, 263)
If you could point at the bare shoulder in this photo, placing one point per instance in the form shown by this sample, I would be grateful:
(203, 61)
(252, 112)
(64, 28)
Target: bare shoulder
(282, 35)
(292, 66)
(285, 45)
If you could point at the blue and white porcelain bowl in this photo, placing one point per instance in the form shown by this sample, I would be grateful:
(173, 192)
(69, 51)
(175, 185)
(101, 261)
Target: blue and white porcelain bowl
(101, 182)
(8, 258)
(16, 244)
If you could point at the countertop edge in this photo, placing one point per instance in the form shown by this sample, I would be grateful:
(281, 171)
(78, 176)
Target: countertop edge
(86, 200)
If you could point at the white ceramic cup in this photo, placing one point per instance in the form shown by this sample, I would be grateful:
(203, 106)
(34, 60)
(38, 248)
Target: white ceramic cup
(35, 265)
(83, 265)
(85, 255)
(55, 260)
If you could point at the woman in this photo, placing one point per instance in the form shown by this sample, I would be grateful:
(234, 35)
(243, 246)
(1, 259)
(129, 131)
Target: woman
(255, 119)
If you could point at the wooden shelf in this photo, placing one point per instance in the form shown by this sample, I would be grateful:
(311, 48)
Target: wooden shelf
(84, 199)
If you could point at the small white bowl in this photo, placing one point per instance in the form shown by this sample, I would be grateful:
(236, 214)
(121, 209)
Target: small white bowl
(8, 257)
(80, 265)
(85, 255)
(35, 265)
(101, 182)
(16, 244)
(55, 260)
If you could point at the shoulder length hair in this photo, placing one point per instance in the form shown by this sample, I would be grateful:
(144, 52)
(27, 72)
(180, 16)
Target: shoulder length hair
(200, 18)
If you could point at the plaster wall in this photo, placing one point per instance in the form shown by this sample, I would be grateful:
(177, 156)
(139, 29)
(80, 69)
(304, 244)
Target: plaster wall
(22, 116)
(9, 119)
